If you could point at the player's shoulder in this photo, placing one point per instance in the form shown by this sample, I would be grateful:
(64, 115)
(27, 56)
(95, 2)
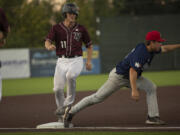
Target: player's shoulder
(56, 25)
(141, 50)
(141, 47)
(80, 26)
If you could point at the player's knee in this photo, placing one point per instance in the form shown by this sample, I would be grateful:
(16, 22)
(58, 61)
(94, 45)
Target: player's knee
(152, 88)
(70, 76)
(97, 99)
(59, 92)
(58, 88)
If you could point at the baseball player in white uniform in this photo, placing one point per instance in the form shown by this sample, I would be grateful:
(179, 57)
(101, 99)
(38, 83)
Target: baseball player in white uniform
(68, 37)
(127, 73)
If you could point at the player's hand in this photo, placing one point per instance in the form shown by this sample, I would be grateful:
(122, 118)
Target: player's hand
(51, 47)
(135, 95)
(88, 65)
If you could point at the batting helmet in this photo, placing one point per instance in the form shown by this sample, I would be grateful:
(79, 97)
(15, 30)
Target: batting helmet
(70, 8)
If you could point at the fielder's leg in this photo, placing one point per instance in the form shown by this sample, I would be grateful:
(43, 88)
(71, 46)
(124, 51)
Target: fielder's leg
(150, 88)
(114, 83)
(151, 96)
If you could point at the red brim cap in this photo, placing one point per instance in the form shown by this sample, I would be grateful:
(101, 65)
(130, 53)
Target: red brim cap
(161, 40)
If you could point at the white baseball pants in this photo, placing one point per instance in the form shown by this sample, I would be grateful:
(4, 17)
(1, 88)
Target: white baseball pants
(114, 83)
(66, 72)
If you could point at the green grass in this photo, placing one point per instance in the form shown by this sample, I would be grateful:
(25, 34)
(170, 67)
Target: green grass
(94, 133)
(164, 78)
(12, 87)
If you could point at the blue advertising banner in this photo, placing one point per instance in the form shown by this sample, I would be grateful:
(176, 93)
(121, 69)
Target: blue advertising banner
(43, 62)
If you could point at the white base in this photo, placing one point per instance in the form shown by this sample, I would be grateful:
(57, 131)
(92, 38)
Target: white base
(51, 125)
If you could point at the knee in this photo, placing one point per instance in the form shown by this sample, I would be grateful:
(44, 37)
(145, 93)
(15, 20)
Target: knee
(70, 76)
(59, 88)
(97, 99)
(152, 88)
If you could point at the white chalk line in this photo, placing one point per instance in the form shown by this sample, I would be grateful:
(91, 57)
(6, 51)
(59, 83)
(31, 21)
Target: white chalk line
(103, 128)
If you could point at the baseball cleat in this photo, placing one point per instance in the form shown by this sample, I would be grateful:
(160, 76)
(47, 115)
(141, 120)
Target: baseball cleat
(60, 119)
(67, 118)
(155, 121)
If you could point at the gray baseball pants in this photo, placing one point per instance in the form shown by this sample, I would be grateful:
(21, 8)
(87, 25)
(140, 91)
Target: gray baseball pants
(114, 83)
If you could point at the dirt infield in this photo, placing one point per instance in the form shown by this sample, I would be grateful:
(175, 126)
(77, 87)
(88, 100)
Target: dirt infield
(119, 110)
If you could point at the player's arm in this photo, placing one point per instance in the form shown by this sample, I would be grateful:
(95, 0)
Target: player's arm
(49, 46)
(89, 57)
(133, 78)
(167, 48)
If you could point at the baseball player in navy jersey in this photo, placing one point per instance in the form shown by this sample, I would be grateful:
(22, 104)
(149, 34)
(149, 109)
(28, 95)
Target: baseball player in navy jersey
(68, 37)
(127, 73)
(4, 30)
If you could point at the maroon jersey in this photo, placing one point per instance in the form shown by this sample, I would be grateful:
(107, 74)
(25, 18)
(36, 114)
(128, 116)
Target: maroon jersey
(3, 22)
(69, 41)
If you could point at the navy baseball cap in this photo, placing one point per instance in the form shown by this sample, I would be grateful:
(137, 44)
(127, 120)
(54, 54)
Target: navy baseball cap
(154, 36)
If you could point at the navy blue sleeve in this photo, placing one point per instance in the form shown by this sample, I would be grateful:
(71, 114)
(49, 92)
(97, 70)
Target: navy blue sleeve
(137, 63)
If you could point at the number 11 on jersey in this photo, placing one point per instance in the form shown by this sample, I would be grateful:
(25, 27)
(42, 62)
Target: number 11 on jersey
(63, 44)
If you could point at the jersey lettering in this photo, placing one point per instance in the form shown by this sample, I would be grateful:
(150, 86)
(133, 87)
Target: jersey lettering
(77, 36)
(63, 44)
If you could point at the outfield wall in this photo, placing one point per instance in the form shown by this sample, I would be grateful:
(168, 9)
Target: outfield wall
(24, 63)
(15, 63)
(119, 35)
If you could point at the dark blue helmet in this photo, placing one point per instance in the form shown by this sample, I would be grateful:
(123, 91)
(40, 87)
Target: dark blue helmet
(70, 8)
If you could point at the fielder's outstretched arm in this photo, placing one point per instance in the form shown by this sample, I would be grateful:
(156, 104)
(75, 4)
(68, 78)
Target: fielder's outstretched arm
(167, 48)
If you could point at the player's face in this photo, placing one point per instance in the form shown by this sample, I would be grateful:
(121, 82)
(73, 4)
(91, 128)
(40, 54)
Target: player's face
(71, 17)
(155, 46)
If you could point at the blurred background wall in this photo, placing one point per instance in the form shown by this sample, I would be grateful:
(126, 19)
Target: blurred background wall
(116, 26)
(119, 35)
